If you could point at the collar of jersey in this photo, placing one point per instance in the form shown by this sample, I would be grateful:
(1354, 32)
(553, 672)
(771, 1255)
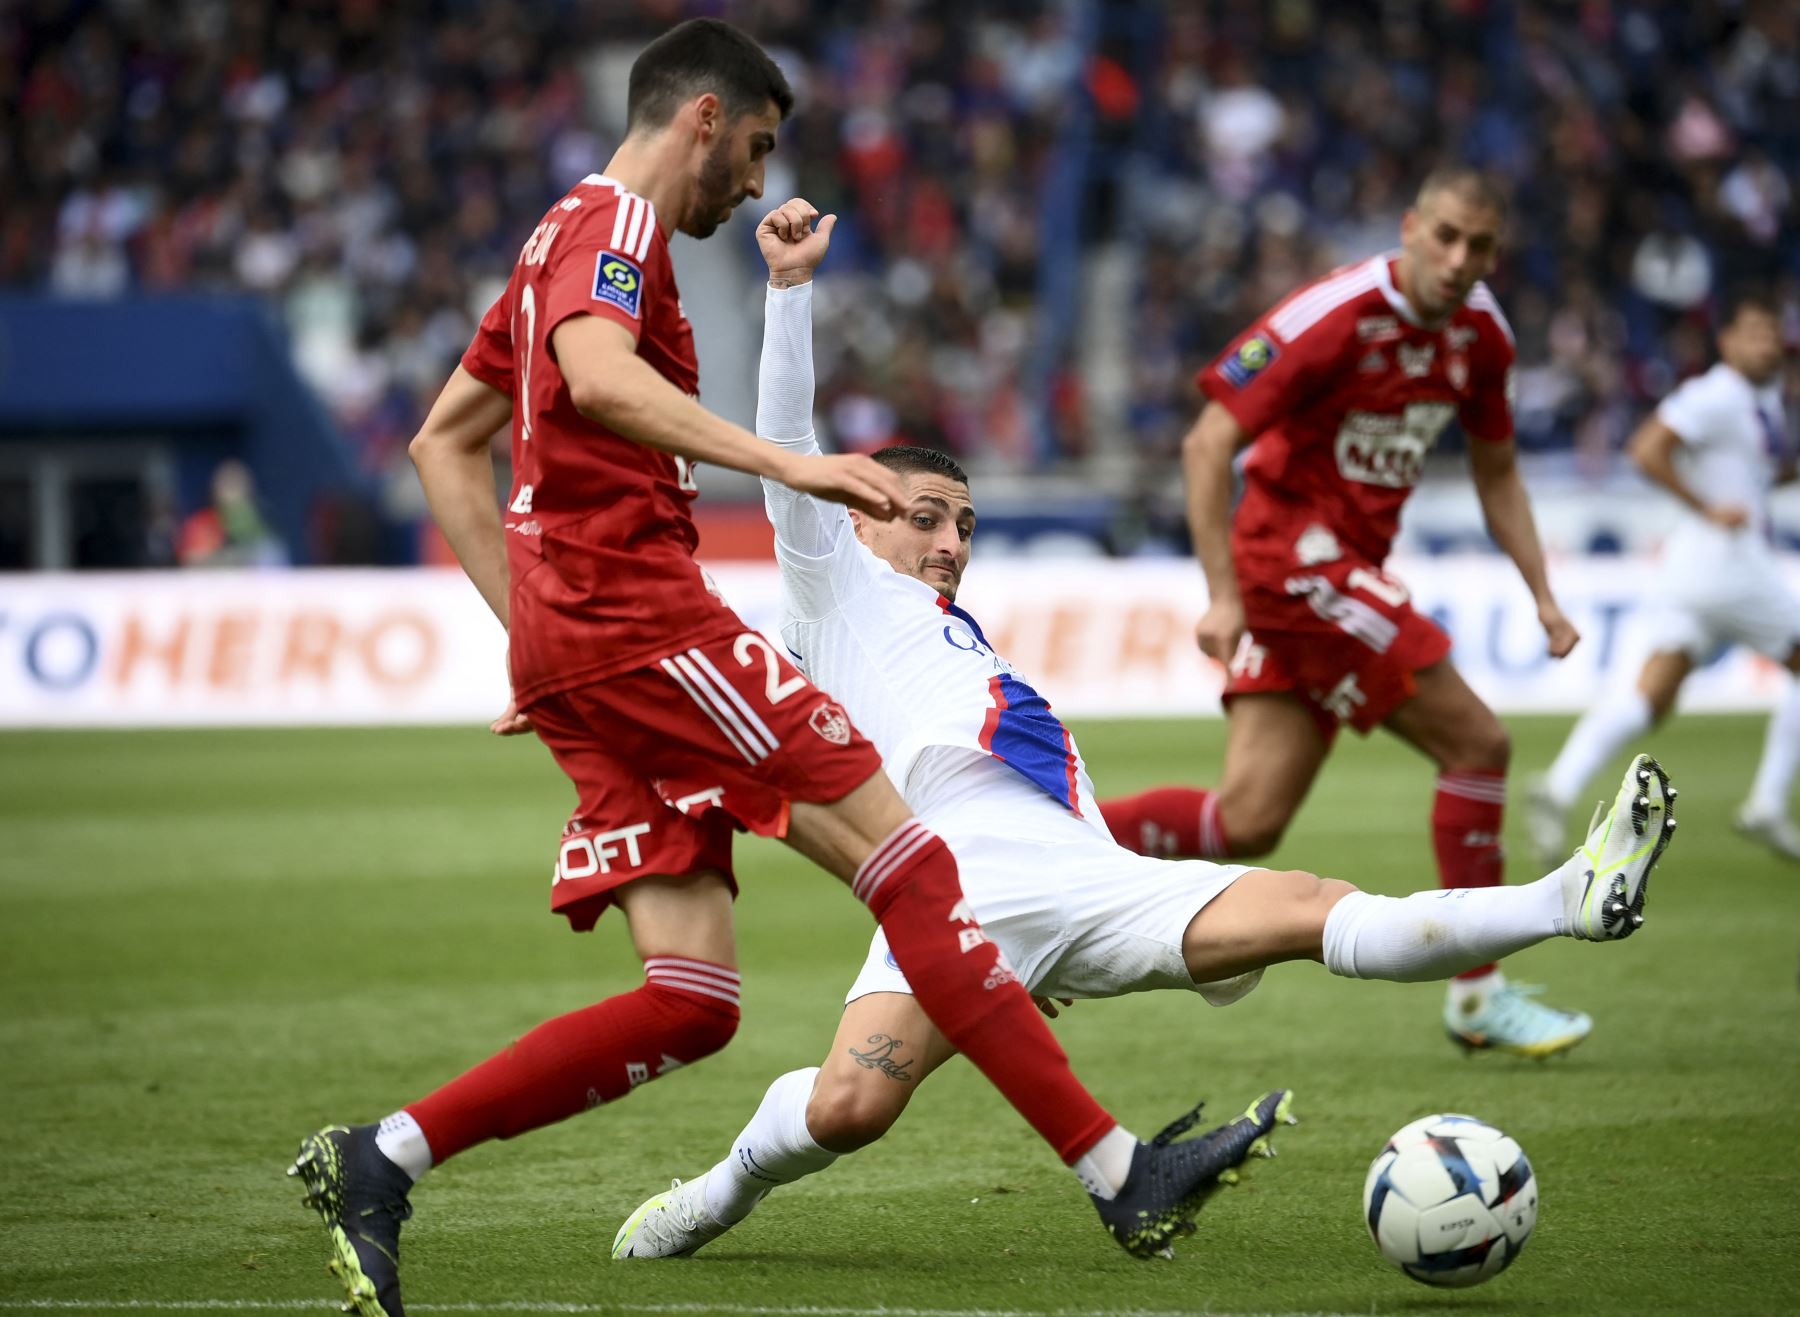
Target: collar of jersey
(956, 612)
(1384, 278)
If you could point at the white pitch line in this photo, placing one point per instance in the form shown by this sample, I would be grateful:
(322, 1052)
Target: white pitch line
(650, 1309)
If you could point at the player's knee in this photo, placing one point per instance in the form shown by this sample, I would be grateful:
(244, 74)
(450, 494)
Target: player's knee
(846, 1113)
(1258, 832)
(1484, 747)
(1309, 898)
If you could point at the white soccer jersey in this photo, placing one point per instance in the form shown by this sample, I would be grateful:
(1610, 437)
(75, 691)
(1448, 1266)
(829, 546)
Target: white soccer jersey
(1732, 433)
(1723, 587)
(914, 670)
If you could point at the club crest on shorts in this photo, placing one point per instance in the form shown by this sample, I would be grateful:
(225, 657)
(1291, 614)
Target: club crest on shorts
(831, 722)
(619, 282)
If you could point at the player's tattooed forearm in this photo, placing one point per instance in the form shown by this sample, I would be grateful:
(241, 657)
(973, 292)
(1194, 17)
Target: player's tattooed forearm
(880, 1056)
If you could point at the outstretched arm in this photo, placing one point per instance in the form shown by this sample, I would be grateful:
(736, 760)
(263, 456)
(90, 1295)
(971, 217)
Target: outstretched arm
(793, 240)
(1495, 464)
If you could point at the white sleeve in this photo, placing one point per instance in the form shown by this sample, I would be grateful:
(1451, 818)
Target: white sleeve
(805, 527)
(1689, 411)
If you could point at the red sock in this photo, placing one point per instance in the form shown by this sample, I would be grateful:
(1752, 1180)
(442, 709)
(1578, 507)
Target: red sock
(688, 1009)
(965, 985)
(1465, 833)
(1168, 822)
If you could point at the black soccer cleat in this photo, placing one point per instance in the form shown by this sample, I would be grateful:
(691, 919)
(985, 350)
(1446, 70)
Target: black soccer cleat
(361, 1197)
(1170, 1182)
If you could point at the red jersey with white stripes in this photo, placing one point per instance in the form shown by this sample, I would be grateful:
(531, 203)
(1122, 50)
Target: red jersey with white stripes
(599, 529)
(1346, 388)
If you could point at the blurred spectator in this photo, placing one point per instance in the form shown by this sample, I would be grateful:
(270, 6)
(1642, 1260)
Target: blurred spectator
(373, 167)
(229, 531)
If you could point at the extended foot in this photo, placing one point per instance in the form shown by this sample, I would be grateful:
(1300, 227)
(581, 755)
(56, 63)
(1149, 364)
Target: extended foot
(1607, 879)
(361, 1197)
(675, 1224)
(1511, 1019)
(1170, 1181)
(1774, 830)
(1545, 823)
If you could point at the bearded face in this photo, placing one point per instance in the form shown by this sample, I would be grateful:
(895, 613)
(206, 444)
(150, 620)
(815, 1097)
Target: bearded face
(720, 190)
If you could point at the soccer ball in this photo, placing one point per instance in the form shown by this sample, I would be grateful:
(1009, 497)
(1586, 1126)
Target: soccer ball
(1450, 1200)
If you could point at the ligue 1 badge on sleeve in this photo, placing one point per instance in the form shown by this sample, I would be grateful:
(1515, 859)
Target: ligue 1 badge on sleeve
(1250, 360)
(618, 281)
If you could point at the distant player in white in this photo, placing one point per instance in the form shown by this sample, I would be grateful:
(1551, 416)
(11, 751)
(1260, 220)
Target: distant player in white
(869, 614)
(1718, 444)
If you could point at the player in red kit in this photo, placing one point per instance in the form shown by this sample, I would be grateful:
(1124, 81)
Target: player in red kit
(675, 722)
(1340, 391)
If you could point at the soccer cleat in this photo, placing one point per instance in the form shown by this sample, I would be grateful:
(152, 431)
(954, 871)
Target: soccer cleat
(1545, 823)
(1606, 880)
(675, 1224)
(1508, 1019)
(1170, 1181)
(1776, 831)
(361, 1197)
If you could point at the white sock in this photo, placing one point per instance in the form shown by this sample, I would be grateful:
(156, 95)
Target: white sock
(1433, 935)
(1781, 750)
(1102, 1168)
(1601, 734)
(403, 1143)
(775, 1149)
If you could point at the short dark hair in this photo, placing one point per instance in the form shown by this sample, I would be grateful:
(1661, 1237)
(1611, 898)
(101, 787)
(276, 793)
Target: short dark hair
(905, 458)
(1467, 182)
(702, 55)
(1736, 301)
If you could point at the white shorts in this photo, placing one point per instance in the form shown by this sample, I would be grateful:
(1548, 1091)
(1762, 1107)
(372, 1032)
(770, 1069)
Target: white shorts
(1709, 600)
(1076, 914)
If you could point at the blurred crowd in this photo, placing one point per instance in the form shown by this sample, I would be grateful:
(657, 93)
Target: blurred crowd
(371, 166)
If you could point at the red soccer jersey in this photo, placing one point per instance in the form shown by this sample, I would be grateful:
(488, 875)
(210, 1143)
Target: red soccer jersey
(1346, 389)
(599, 530)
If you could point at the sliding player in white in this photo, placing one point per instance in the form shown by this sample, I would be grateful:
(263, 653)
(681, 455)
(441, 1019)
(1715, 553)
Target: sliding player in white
(1717, 444)
(869, 615)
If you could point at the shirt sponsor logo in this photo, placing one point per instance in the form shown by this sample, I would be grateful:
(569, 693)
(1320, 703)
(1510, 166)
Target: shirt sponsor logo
(1415, 361)
(1251, 359)
(1377, 329)
(831, 722)
(1459, 337)
(619, 282)
(1379, 448)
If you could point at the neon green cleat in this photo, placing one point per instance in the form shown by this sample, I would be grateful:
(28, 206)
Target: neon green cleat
(1606, 880)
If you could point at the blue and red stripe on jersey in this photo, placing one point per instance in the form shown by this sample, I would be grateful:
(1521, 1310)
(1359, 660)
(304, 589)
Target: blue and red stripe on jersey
(1022, 732)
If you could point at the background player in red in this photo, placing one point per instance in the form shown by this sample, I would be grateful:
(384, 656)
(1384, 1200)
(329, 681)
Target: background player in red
(674, 720)
(1341, 390)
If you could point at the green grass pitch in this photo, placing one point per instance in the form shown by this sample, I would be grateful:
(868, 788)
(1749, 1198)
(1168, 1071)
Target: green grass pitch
(211, 943)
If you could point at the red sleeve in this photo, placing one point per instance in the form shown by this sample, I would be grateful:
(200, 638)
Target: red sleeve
(1259, 379)
(1488, 412)
(489, 357)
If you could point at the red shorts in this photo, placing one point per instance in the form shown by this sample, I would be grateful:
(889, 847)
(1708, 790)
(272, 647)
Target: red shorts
(669, 758)
(1343, 637)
